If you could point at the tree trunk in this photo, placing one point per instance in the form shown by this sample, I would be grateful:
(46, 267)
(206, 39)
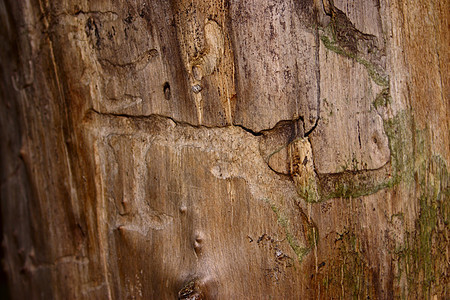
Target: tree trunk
(225, 149)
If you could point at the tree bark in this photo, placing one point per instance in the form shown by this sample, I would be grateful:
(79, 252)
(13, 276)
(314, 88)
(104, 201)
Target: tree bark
(225, 149)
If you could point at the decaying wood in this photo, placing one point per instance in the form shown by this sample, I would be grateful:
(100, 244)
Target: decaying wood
(225, 149)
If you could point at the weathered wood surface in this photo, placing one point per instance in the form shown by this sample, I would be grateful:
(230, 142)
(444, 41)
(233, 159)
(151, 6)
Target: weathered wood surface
(225, 149)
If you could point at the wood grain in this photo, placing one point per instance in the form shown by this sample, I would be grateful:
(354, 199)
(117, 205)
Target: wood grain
(225, 149)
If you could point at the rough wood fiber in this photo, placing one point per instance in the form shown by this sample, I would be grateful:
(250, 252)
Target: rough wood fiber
(225, 149)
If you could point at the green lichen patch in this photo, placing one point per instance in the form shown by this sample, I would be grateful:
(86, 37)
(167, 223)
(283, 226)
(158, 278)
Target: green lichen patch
(347, 270)
(373, 71)
(423, 258)
(383, 99)
(354, 184)
(421, 263)
(344, 32)
(311, 233)
(341, 37)
(309, 191)
(347, 184)
(400, 139)
(358, 183)
(333, 46)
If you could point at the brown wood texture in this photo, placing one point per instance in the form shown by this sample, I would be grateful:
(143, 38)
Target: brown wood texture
(232, 149)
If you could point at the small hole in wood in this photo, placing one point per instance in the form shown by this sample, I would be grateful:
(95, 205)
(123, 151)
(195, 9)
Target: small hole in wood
(166, 88)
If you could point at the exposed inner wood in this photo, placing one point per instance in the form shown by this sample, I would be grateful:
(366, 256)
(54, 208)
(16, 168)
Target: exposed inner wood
(225, 149)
